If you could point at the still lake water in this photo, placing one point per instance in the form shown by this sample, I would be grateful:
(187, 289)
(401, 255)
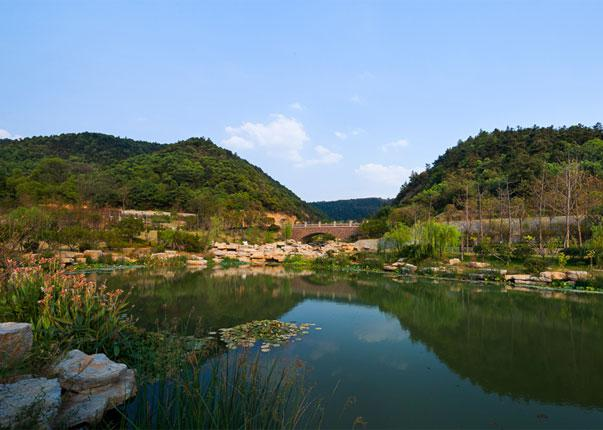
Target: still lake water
(407, 354)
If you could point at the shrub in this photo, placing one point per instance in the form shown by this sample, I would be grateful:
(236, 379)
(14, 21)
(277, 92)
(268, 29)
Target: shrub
(67, 310)
(535, 265)
(181, 240)
(522, 250)
(331, 262)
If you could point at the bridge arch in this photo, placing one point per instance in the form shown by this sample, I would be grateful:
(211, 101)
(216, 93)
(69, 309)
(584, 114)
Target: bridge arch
(341, 231)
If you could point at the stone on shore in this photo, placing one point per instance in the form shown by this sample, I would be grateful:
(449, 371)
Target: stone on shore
(79, 371)
(90, 406)
(553, 276)
(478, 265)
(577, 275)
(93, 384)
(29, 403)
(15, 342)
(94, 254)
(454, 261)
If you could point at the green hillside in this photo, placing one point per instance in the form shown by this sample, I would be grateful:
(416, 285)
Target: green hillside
(193, 175)
(520, 164)
(351, 209)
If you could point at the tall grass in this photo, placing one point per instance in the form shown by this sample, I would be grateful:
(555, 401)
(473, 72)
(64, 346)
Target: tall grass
(66, 311)
(227, 393)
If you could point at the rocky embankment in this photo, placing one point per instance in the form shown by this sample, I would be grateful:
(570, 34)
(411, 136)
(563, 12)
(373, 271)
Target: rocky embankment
(277, 252)
(75, 392)
(475, 270)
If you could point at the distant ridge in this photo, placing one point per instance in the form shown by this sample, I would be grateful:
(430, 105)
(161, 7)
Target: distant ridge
(350, 209)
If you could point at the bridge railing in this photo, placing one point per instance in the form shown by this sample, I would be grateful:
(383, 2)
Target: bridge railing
(326, 224)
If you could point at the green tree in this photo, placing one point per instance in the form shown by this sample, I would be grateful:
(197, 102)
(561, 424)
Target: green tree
(129, 227)
(399, 237)
(435, 239)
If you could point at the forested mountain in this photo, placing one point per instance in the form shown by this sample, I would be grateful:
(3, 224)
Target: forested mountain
(96, 169)
(351, 209)
(512, 173)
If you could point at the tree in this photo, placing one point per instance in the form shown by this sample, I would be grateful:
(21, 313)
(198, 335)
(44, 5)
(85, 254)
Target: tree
(130, 227)
(399, 237)
(435, 239)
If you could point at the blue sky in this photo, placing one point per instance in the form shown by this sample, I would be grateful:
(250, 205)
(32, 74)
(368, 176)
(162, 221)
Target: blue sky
(334, 99)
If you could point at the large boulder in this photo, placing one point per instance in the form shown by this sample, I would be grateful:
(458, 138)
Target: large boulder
(577, 275)
(15, 342)
(93, 384)
(94, 254)
(29, 403)
(79, 371)
(90, 405)
(553, 276)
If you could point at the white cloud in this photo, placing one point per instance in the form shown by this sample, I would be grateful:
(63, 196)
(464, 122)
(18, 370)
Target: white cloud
(281, 137)
(323, 156)
(341, 135)
(296, 106)
(386, 331)
(395, 145)
(5, 134)
(355, 99)
(392, 175)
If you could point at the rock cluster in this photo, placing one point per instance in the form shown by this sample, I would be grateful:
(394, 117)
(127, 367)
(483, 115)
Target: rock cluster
(276, 252)
(15, 342)
(93, 384)
(29, 403)
(400, 266)
(192, 260)
(84, 388)
(570, 276)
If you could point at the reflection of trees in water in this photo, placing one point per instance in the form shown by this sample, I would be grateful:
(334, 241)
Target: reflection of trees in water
(517, 344)
(202, 301)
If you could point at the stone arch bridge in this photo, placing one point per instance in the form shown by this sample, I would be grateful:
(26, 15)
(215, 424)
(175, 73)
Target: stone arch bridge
(339, 230)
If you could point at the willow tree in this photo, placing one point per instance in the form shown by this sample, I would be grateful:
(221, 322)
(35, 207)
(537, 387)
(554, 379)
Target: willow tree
(436, 239)
(398, 237)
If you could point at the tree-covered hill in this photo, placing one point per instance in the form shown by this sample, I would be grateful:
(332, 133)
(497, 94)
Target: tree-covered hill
(96, 169)
(491, 159)
(351, 209)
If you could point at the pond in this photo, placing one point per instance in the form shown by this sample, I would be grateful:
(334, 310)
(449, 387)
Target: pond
(406, 354)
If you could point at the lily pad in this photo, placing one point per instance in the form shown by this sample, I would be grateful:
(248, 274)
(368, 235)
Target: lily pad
(271, 334)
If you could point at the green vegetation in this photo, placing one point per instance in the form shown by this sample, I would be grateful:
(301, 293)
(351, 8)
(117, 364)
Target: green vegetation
(424, 240)
(105, 171)
(350, 210)
(177, 386)
(225, 394)
(65, 311)
(504, 184)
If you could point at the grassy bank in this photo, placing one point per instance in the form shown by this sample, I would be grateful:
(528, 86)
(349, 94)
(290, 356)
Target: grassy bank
(184, 382)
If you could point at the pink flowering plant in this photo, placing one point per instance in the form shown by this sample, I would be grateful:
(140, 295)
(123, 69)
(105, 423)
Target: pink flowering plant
(65, 310)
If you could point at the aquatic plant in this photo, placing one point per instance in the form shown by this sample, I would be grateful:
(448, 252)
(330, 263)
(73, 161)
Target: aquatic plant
(227, 393)
(272, 333)
(66, 310)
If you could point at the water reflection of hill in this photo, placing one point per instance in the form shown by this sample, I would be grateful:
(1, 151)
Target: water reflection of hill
(224, 298)
(516, 344)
